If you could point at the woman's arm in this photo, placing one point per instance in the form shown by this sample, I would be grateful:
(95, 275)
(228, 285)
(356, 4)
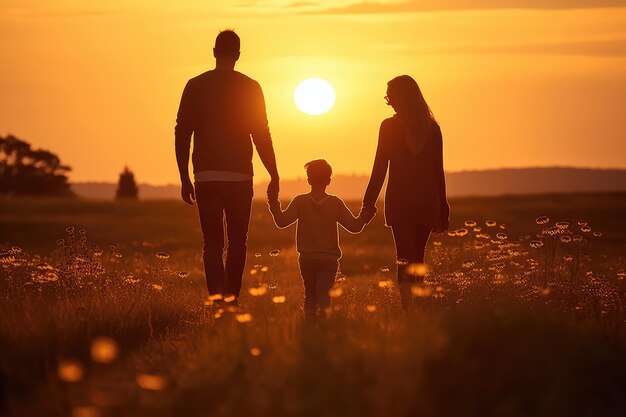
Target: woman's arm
(441, 182)
(379, 170)
(282, 218)
(347, 220)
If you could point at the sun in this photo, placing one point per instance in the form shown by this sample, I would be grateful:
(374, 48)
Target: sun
(314, 96)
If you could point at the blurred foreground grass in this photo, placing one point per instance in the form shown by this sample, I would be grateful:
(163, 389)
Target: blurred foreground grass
(503, 326)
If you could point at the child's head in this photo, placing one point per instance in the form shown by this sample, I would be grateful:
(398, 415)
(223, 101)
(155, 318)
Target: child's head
(318, 172)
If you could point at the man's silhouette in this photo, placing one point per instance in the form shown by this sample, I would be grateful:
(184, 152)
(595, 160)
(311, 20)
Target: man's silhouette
(222, 108)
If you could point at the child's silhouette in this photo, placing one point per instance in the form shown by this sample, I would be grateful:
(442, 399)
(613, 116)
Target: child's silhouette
(317, 240)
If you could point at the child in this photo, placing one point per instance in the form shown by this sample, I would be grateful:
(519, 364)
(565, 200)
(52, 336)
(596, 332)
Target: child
(317, 240)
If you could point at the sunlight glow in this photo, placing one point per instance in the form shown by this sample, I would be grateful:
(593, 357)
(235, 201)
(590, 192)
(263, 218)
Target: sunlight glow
(314, 96)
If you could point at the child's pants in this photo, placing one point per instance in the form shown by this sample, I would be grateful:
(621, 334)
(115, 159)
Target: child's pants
(318, 277)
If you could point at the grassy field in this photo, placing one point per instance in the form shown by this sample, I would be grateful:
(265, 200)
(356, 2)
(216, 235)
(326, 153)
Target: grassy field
(105, 313)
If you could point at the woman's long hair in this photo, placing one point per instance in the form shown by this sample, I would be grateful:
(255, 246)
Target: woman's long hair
(412, 108)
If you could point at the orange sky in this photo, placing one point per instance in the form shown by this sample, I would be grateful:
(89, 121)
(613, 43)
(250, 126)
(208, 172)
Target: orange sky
(523, 83)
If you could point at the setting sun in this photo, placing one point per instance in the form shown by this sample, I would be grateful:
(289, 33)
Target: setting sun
(314, 96)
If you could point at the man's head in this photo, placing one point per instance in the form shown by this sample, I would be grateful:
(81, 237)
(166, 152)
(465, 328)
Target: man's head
(227, 45)
(318, 172)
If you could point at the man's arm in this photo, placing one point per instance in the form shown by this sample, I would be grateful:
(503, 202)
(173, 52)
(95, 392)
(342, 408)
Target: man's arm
(263, 141)
(182, 142)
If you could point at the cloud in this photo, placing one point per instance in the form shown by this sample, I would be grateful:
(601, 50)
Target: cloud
(606, 48)
(297, 4)
(448, 5)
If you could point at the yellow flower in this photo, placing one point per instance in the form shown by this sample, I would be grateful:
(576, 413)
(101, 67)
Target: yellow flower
(279, 299)
(243, 317)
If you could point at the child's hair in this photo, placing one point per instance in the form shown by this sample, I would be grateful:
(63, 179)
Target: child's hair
(318, 171)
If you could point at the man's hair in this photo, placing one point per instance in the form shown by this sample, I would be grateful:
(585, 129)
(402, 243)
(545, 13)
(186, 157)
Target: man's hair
(227, 43)
(318, 170)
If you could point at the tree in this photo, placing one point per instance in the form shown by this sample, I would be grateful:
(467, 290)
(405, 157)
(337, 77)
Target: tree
(28, 171)
(126, 187)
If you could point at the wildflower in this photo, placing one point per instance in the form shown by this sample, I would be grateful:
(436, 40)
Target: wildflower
(461, 232)
(104, 349)
(98, 253)
(470, 223)
(501, 236)
(437, 243)
(82, 232)
(566, 239)
(335, 292)
(582, 223)
(384, 269)
(418, 270)
(542, 220)
(243, 317)
(157, 287)
(264, 269)
(585, 229)
(279, 299)
(258, 291)
(577, 238)
(562, 225)
(162, 255)
(383, 283)
(421, 291)
(69, 230)
(215, 297)
(468, 264)
(255, 352)
(370, 308)
(490, 223)
(597, 234)
(257, 255)
(536, 244)
(70, 371)
(275, 253)
(229, 298)
(183, 274)
(150, 382)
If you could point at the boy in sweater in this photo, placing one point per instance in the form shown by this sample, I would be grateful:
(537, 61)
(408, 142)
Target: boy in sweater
(317, 237)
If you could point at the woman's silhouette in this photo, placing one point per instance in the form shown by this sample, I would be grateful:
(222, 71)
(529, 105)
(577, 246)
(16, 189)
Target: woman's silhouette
(410, 146)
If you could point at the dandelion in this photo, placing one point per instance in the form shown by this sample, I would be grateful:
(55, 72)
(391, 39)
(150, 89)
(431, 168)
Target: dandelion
(61, 242)
(585, 229)
(490, 223)
(384, 283)
(215, 297)
(264, 269)
(258, 291)
(217, 315)
(257, 255)
(470, 223)
(275, 253)
(621, 275)
(98, 253)
(452, 233)
(568, 258)
(70, 371)
(437, 243)
(597, 234)
(536, 244)
(501, 236)
(384, 269)
(562, 225)
(82, 232)
(118, 255)
(421, 291)
(279, 299)
(150, 382)
(183, 274)
(582, 223)
(163, 256)
(229, 298)
(254, 271)
(566, 239)
(243, 317)
(542, 220)
(370, 308)
(416, 269)
(335, 292)
(104, 349)
(461, 232)
(69, 230)
(577, 238)
(255, 351)
(502, 226)
(479, 245)
(157, 287)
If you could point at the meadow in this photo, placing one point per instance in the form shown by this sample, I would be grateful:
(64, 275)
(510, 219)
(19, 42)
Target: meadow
(105, 312)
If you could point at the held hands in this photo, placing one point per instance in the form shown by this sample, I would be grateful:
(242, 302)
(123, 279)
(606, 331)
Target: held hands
(187, 192)
(273, 188)
(367, 213)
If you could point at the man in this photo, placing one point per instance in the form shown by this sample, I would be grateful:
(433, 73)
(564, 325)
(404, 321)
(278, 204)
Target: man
(223, 108)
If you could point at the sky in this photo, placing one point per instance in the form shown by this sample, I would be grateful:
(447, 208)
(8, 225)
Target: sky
(513, 83)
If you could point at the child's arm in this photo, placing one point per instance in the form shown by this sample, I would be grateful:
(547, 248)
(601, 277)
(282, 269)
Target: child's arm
(348, 221)
(282, 218)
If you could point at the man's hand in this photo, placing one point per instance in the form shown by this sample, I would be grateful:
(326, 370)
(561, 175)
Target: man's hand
(187, 192)
(273, 188)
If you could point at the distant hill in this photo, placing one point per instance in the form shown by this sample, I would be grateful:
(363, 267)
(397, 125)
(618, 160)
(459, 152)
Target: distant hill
(464, 183)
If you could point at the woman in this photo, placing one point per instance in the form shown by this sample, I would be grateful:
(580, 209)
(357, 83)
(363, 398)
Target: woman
(410, 146)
